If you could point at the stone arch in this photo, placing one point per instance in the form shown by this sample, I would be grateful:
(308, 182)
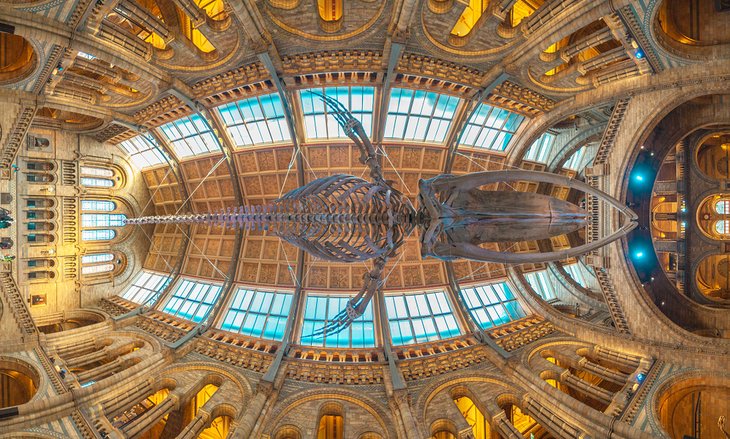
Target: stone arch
(462, 386)
(711, 156)
(288, 431)
(315, 398)
(712, 277)
(215, 372)
(68, 320)
(668, 28)
(19, 381)
(673, 398)
(19, 58)
(443, 425)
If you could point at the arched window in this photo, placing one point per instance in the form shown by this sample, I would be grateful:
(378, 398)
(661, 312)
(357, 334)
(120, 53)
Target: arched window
(97, 177)
(97, 263)
(202, 397)
(96, 182)
(97, 226)
(98, 235)
(97, 172)
(330, 427)
(722, 207)
(218, 429)
(98, 205)
(723, 227)
(474, 417)
(102, 220)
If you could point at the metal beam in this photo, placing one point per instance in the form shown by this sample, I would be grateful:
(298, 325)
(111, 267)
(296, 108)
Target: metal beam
(295, 312)
(396, 53)
(268, 63)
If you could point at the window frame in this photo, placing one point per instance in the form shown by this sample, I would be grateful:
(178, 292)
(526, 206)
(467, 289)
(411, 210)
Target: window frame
(397, 112)
(502, 292)
(314, 319)
(401, 316)
(249, 297)
(316, 113)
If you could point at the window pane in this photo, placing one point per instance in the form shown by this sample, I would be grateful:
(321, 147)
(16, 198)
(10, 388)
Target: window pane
(190, 136)
(98, 235)
(145, 285)
(540, 149)
(143, 151)
(419, 115)
(495, 300)
(98, 205)
(320, 124)
(490, 128)
(319, 311)
(192, 299)
(255, 121)
(420, 317)
(258, 313)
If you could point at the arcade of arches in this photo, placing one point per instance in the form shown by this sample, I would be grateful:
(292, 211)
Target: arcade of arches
(117, 109)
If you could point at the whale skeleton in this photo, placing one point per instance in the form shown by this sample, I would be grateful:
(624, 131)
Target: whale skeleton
(343, 218)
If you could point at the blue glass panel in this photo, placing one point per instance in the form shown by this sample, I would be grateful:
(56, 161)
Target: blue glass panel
(192, 300)
(419, 115)
(319, 124)
(490, 128)
(98, 205)
(96, 182)
(190, 136)
(258, 313)
(318, 312)
(143, 152)
(255, 121)
(492, 305)
(102, 220)
(540, 149)
(419, 318)
(145, 285)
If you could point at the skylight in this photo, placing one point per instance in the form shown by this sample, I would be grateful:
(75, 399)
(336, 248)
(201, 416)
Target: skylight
(190, 136)
(143, 152)
(490, 128)
(420, 318)
(319, 124)
(145, 285)
(580, 273)
(576, 160)
(540, 149)
(256, 121)
(492, 305)
(258, 313)
(320, 310)
(540, 283)
(192, 300)
(419, 115)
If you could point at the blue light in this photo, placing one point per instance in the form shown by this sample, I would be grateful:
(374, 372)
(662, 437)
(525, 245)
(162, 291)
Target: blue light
(640, 377)
(639, 254)
(639, 54)
(639, 177)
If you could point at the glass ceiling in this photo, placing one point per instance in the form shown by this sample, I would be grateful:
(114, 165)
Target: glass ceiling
(413, 316)
(412, 115)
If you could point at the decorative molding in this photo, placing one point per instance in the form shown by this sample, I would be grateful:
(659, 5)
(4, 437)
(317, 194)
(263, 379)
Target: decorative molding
(415, 64)
(112, 131)
(231, 79)
(235, 355)
(521, 332)
(520, 99)
(332, 61)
